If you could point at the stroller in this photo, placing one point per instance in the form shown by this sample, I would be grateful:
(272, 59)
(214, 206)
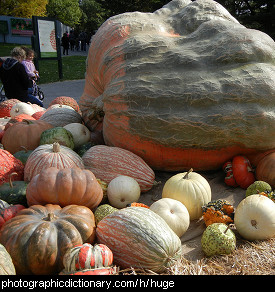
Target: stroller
(36, 91)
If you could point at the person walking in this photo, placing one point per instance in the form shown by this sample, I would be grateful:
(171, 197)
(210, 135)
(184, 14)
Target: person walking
(65, 43)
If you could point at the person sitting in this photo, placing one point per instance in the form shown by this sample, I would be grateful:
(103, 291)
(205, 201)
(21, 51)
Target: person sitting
(15, 78)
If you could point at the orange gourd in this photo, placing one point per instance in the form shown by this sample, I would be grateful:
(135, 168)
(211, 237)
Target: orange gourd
(24, 134)
(64, 187)
(265, 170)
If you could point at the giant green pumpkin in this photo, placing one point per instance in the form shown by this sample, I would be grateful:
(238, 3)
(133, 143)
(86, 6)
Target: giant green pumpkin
(185, 86)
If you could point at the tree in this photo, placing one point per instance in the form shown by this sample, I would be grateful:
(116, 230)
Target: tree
(66, 11)
(93, 15)
(258, 14)
(23, 8)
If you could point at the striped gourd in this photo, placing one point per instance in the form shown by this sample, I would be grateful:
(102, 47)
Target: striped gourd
(139, 238)
(87, 256)
(51, 155)
(108, 162)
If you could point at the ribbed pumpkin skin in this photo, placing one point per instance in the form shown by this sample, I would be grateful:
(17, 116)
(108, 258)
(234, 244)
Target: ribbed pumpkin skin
(45, 156)
(8, 165)
(39, 236)
(64, 187)
(266, 169)
(139, 238)
(181, 87)
(109, 162)
(87, 256)
(26, 133)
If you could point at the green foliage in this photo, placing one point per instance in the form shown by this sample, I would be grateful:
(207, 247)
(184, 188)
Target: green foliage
(66, 11)
(23, 8)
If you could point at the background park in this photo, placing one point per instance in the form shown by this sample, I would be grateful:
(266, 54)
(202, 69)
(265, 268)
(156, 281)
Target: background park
(88, 15)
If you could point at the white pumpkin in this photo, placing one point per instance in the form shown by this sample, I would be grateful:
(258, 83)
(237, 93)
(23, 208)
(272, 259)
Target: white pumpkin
(22, 108)
(174, 213)
(59, 106)
(81, 134)
(123, 190)
(255, 218)
(191, 189)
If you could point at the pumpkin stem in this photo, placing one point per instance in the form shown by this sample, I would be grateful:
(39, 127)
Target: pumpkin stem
(10, 181)
(56, 147)
(186, 175)
(254, 223)
(50, 217)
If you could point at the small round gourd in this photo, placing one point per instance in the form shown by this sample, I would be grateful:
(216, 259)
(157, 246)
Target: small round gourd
(191, 189)
(174, 213)
(123, 190)
(87, 256)
(255, 218)
(81, 134)
(21, 108)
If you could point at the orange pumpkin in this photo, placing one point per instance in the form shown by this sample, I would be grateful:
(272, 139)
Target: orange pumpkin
(6, 106)
(64, 187)
(265, 170)
(26, 133)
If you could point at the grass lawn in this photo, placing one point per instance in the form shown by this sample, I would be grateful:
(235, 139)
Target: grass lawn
(74, 67)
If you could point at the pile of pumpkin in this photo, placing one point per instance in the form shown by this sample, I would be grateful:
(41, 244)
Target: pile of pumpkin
(70, 204)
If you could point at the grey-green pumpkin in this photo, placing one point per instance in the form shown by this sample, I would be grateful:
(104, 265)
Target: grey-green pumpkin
(57, 134)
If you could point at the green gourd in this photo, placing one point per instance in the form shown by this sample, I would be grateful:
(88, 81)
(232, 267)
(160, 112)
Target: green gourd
(14, 192)
(57, 134)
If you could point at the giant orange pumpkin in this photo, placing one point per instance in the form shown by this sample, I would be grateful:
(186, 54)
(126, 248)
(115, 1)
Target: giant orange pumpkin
(185, 86)
(64, 187)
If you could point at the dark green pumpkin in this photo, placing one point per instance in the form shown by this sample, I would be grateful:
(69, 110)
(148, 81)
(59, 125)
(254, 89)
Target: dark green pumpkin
(83, 148)
(22, 155)
(14, 192)
(57, 134)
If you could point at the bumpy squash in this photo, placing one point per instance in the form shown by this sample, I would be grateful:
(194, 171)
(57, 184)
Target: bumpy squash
(51, 155)
(8, 165)
(185, 86)
(108, 163)
(38, 237)
(64, 187)
(139, 238)
(6, 106)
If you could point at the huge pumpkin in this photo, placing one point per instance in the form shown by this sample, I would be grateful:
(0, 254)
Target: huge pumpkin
(39, 236)
(185, 86)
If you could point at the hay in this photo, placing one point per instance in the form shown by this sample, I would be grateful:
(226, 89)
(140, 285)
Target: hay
(249, 258)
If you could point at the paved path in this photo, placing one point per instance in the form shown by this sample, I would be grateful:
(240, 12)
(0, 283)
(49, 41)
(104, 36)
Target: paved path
(72, 88)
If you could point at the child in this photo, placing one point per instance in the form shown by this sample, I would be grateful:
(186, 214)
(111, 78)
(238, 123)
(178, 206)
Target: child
(29, 65)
